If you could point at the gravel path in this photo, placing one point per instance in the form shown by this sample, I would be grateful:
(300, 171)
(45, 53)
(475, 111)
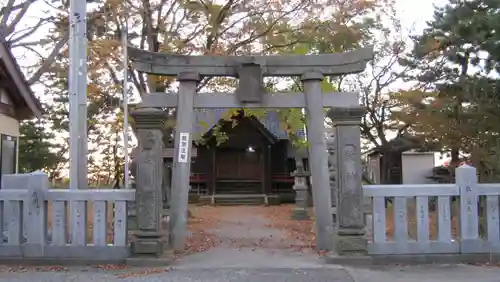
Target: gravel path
(446, 273)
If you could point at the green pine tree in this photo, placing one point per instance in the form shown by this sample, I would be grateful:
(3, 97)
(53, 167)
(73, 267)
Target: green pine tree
(38, 148)
(456, 62)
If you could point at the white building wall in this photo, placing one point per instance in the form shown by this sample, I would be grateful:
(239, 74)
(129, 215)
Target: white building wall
(417, 166)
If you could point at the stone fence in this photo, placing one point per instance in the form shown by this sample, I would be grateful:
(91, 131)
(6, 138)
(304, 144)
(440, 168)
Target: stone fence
(429, 220)
(36, 224)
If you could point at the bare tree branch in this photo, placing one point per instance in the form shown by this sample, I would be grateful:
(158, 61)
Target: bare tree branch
(47, 62)
(29, 31)
(7, 10)
(10, 27)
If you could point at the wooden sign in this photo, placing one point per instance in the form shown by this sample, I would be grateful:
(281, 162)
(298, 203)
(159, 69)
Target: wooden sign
(250, 88)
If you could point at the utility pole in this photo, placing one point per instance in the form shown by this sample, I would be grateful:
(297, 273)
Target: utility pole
(78, 94)
(77, 107)
(126, 180)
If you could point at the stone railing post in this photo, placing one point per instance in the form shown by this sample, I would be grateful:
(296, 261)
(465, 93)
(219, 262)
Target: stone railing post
(181, 173)
(38, 185)
(299, 212)
(318, 159)
(350, 231)
(32, 221)
(149, 166)
(466, 179)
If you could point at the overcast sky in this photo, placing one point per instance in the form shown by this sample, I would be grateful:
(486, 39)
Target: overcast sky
(414, 13)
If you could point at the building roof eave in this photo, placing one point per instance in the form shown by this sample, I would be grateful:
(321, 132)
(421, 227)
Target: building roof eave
(22, 85)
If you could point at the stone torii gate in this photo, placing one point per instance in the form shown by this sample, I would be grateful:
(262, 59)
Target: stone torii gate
(149, 117)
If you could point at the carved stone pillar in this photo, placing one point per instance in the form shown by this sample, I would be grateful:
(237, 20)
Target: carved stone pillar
(148, 198)
(332, 173)
(350, 232)
(299, 212)
(318, 159)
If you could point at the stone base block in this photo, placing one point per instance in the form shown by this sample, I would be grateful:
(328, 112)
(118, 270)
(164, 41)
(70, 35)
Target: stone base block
(350, 244)
(300, 214)
(147, 246)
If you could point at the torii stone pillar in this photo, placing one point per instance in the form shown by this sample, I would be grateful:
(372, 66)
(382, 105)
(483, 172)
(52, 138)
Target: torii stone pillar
(148, 192)
(350, 232)
(318, 159)
(182, 159)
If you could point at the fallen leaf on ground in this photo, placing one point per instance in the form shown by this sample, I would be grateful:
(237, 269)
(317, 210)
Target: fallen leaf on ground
(10, 268)
(202, 220)
(301, 231)
(300, 234)
(56, 268)
(142, 273)
(21, 268)
(110, 266)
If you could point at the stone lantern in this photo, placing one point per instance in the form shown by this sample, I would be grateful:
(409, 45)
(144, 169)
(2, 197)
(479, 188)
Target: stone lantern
(299, 212)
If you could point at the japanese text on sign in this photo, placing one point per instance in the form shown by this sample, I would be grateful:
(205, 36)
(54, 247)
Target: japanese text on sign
(183, 147)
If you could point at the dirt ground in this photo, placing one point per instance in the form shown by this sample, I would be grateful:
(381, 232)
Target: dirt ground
(248, 226)
(247, 236)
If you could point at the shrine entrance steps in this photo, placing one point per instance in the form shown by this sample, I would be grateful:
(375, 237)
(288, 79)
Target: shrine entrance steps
(238, 199)
(238, 187)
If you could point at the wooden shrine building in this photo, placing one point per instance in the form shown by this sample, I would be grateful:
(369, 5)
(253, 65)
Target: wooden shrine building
(256, 157)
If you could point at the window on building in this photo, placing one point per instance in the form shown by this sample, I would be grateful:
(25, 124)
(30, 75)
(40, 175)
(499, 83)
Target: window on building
(8, 145)
(4, 98)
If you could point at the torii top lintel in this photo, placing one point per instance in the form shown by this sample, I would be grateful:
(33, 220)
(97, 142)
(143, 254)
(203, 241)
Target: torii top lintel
(277, 65)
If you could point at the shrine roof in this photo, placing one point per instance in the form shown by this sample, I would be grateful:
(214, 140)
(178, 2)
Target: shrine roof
(205, 119)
